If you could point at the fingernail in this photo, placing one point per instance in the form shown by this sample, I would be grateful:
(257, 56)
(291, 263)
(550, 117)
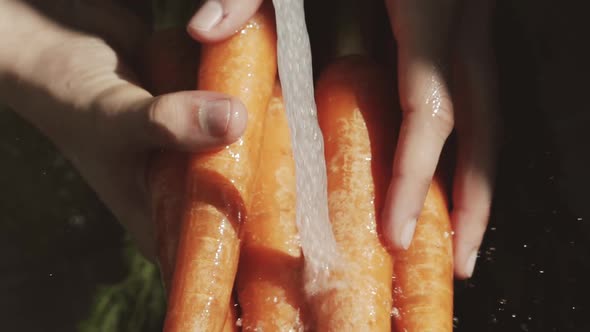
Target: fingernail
(470, 263)
(207, 16)
(408, 233)
(214, 117)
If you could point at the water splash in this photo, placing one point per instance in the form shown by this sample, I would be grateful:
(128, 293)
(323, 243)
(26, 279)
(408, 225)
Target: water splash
(295, 71)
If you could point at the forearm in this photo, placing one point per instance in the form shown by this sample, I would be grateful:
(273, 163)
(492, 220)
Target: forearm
(25, 36)
(32, 32)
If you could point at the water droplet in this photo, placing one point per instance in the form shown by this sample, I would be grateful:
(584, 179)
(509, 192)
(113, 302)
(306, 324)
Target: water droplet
(395, 312)
(77, 221)
(501, 303)
(493, 319)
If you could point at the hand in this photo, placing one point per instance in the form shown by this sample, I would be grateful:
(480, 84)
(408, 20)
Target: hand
(218, 19)
(440, 42)
(69, 81)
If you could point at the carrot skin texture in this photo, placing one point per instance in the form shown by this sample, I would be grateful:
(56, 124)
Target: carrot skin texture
(270, 285)
(219, 183)
(423, 282)
(354, 109)
(169, 62)
(167, 182)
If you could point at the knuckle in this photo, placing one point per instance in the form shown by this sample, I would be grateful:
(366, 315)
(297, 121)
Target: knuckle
(422, 181)
(436, 110)
(443, 114)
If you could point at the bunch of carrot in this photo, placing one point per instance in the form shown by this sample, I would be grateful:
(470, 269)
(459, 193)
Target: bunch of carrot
(227, 238)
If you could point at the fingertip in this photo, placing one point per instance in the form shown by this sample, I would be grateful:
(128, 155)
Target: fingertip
(398, 228)
(195, 121)
(221, 120)
(407, 233)
(219, 19)
(205, 19)
(469, 227)
(467, 260)
(237, 121)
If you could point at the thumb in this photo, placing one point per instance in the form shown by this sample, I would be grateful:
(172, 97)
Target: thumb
(188, 121)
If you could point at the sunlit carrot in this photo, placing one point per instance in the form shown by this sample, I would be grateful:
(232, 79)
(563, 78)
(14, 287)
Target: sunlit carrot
(270, 288)
(354, 108)
(423, 283)
(219, 183)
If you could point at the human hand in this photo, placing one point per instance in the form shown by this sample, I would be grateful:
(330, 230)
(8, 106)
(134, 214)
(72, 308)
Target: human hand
(70, 82)
(439, 43)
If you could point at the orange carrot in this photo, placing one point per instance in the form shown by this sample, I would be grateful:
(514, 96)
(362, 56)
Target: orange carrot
(167, 183)
(354, 105)
(170, 56)
(270, 287)
(219, 183)
(423, 282)
(230, 324)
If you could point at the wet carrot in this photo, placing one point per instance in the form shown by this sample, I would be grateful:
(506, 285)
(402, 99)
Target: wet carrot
(231, 319)
(219, 183)
(169, 62)
(354, 105)
(423, 283)
(167, 183)
(270, 286)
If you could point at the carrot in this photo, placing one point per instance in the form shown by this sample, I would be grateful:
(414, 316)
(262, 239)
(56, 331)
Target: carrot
(353, 103)
(219, 183)
(170, 57)
(423, 283)
(270, 286)
(230, 324)
(167, 181)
